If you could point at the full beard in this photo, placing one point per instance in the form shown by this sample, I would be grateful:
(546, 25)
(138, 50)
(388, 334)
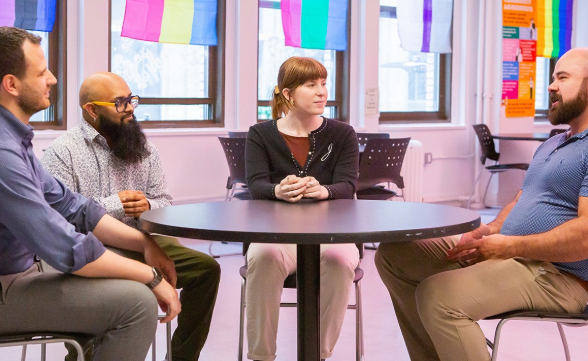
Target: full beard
(564, 113)
(127, 141)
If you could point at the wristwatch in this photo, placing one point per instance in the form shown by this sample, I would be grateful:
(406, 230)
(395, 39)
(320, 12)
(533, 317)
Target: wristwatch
(156, 279)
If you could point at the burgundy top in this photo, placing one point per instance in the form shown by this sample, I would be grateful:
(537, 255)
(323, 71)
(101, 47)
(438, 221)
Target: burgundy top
(299, 146)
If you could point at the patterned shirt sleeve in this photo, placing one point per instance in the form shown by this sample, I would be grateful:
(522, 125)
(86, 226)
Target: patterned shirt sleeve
(157, 191)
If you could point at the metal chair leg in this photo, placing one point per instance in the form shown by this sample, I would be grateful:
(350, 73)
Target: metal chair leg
(241, 320)
(474, 189)
(564, 341)
(24, 353)
(169, 341)
(359, 320)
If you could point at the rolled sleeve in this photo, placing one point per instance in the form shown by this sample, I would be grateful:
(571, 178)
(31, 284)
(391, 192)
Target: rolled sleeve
(86, 251)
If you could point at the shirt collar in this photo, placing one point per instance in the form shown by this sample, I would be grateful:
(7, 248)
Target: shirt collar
(23, 132)
(91, 134)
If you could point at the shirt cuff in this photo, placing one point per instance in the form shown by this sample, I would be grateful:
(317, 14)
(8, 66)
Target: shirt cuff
(87, 251)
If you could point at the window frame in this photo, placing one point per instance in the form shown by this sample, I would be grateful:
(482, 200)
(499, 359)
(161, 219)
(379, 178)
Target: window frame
(541, 114)
(216, 82)
(342, 62)
(57, 59)
(443, 114)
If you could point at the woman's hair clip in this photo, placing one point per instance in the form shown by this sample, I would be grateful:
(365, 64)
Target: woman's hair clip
(276, 90)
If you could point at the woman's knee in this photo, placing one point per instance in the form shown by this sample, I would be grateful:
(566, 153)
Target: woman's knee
(340, 259)
(266, 257)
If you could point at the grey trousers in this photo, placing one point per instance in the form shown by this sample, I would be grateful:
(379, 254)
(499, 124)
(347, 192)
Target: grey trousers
(120, 314)
(437, 302)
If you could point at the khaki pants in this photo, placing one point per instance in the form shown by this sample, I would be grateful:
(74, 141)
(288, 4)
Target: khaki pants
(268, 267)
(437, 302)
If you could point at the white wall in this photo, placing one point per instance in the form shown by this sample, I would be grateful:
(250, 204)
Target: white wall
(193, 159)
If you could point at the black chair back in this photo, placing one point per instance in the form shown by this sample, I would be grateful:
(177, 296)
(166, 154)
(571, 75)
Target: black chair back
(556, 131)
(381, 162)
(362, 138)
(237, 134)
(486, 142)
(235, 153)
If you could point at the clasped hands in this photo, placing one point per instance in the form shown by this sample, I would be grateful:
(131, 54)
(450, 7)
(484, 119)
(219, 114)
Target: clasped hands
(479, 245)
(292, 189)
(134, 202)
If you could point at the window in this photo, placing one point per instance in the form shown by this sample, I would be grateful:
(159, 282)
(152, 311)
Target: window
(180, 85)
(544, 69)
(273, 52)
(413, 86)
(53, 44)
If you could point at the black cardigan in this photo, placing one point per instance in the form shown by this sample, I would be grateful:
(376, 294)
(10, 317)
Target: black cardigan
(333, 159)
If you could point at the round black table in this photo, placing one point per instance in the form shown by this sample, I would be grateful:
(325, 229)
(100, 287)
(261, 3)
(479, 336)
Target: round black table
(308, 224)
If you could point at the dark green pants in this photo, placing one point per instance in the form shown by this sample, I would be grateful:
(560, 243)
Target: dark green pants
(198, 279)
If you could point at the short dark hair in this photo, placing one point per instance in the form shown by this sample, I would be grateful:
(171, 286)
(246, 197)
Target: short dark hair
(13, 59)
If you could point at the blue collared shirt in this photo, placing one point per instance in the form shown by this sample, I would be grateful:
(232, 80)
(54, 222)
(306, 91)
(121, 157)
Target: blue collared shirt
(38, 214)
(557, 177)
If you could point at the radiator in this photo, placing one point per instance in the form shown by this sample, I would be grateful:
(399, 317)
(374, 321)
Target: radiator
(412, 171)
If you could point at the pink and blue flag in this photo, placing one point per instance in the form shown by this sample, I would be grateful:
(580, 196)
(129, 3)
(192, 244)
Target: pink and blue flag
(315, 24)
(171, 21)
(28, 14)
(425, 25)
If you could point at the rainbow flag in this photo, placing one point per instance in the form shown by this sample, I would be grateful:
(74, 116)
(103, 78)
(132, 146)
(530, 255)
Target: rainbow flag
(554, 27)
(425, 25)
(171, 21)
(315, 24)
(28, 14)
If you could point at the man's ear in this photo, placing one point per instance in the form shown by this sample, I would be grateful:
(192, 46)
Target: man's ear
(91, 109)
(10, 84)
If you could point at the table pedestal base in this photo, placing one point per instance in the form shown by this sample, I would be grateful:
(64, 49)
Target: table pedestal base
(308, 266)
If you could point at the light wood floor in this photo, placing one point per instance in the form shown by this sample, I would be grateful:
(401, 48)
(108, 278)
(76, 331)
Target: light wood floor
(520, 341)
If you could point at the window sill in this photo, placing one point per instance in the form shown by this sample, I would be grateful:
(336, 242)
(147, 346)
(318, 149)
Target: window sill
(170, 132)
(421, 126)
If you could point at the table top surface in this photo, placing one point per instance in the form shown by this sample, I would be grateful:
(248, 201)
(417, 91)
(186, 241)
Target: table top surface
(335, 221)
(522, 136)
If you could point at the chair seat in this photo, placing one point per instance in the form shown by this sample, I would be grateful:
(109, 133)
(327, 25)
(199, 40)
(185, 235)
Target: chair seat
(545, 316)
(376, 192)
(16, 337)
(244, 195)
(290, 281)
(507, 166)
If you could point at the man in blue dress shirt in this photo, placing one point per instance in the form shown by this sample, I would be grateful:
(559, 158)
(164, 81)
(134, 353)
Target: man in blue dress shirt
(533, 256)
(101, 293)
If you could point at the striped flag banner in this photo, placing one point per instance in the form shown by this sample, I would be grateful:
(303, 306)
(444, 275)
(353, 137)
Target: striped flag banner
(36, 15)
(554, 27)
(315, 24)
(171, 21)
(425, 25)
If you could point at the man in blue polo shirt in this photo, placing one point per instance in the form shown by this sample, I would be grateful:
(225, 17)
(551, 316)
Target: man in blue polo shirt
(533, 256)
(100, 293)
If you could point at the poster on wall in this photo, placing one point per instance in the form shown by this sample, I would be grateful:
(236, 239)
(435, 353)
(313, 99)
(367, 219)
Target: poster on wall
(519, 49)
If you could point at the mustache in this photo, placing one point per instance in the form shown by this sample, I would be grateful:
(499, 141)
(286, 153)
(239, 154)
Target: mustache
(554, 97)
